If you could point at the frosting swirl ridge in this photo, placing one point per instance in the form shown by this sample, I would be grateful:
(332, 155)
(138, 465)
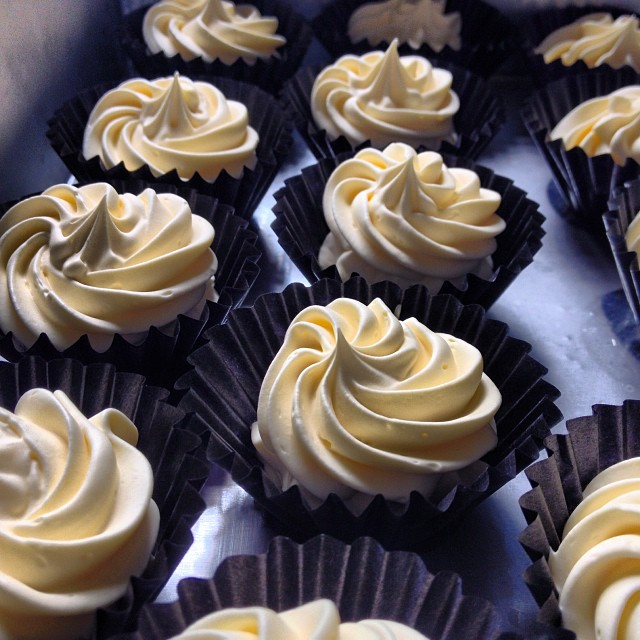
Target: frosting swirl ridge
(171, 123)
(211, 30)
(77, 518)
(405, 216)
(87, 260)
(359, 402)
(385, 98)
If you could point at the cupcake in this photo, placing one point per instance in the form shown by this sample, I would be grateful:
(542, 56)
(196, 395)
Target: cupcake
(103, 502)
(415, 489)
(444, 29)
(355, 582)
(262, 42)
(130, 278)
(221, 137)
(581, 535)
(382, 97)
(409, 217)
(573, 40)
(586, 127)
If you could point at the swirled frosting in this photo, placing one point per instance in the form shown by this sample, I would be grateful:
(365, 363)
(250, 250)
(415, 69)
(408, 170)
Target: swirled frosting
(86, 260)
(171, 123)
(596, 39)
(415, 23)
(359, 403)
(608, 124)
(319, 620)
(596, 568)
(77, 518)
(211, 30)
(385, 98)
(405, 216)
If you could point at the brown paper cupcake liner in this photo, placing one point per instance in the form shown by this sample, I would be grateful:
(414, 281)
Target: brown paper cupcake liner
(267, 74)
(536, 25)
(301, 228)
(162, 357)
(486, 35)
(363, 580)
(480, 117)
(585, 183)
(166, 437)
(593, 444)
(66, 130)
(224, 386)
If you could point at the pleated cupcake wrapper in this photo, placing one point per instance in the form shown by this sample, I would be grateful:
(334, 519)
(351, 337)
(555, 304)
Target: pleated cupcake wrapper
(66, 131)
(166, 437)
(623, 208)
(593, 443)
(162, 357)
(480, 117)
(268, 74)
(585, 183)
(534, 26)
(486, 35)
(228, 371)
(301, 228)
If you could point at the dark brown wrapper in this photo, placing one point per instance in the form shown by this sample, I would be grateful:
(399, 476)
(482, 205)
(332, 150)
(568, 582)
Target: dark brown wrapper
(301, 228)
(67, 125)
(267, 74)
(585, 183)
(480, 117)
(224, 386)
(161, 357)
(167, 437)
(486, 35)
(593, 443)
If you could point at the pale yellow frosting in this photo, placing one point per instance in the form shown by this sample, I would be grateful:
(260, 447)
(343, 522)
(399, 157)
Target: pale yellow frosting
(86, 260)
(596, 39)
(211, 30)
(414, 22)
(319, 620)
(359, 403)
(171, 123)
(596, 568)
(385, 98)
(632, 236)
(405, 216)
(76, 515)
(608, 124)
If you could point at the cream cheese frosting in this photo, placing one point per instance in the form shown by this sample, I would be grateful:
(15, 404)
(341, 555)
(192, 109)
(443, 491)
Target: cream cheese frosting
(608, 124)
(358, 403)
(171, 123)
(596, 568)
(404, 216)
(211, 30)
(385, 98)
(87, 260)
(596, 39)
(414, 22)
(77, 519)
(319, 620)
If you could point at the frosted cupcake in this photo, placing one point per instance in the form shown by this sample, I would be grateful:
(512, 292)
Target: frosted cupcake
(103, 503)
(573, 40)
(129, 278)
(221, 137)
(587, 128)
(411, 218)
(347, 480)
(474, 34)
(262, 42)
(583, 534)
(382, 97)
